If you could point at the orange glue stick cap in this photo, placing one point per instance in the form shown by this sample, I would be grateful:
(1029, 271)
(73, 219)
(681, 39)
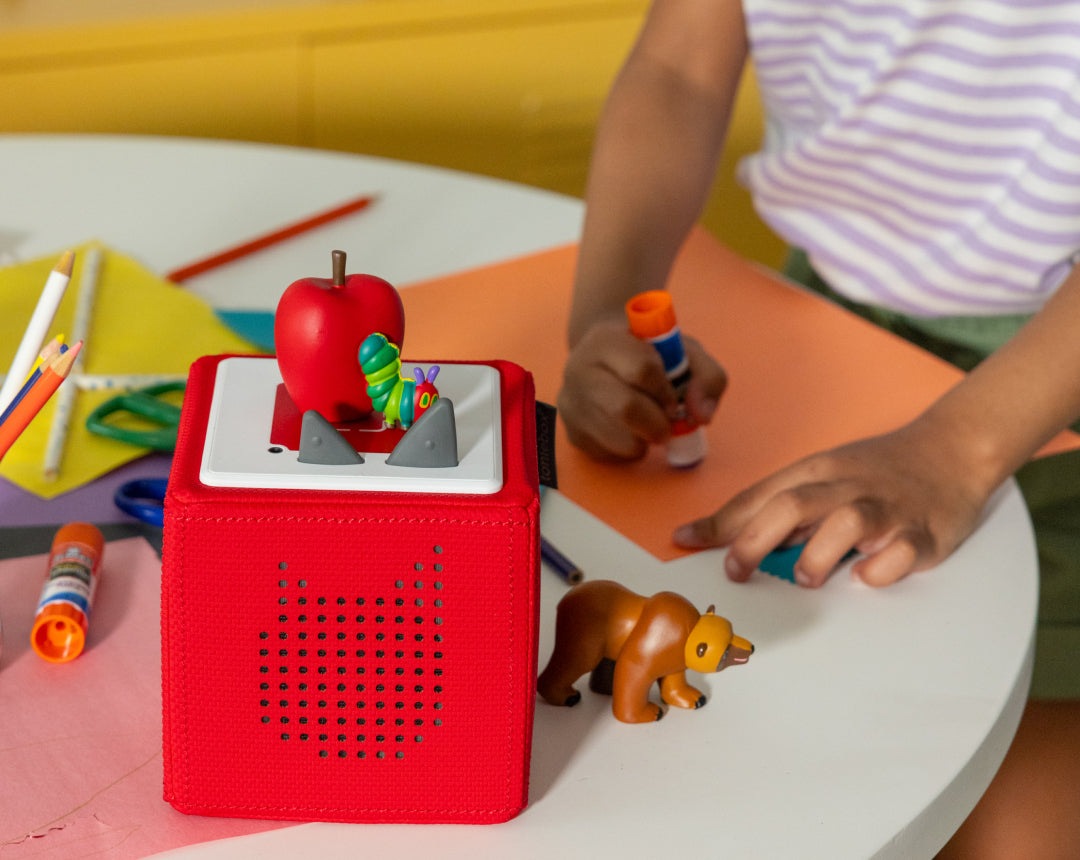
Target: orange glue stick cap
(651, 314)
(58, 635)
(59, 631)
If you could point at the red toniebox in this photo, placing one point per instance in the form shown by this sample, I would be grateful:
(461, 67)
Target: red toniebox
(349, 642)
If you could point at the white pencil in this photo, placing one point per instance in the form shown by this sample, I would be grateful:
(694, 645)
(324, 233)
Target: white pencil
(65, 399)
(34, 336)
(123, 381)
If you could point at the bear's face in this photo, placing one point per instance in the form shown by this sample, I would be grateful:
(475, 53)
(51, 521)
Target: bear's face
(712, 645)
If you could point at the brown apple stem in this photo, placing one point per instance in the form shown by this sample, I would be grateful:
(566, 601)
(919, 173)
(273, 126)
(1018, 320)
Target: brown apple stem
(339, 268)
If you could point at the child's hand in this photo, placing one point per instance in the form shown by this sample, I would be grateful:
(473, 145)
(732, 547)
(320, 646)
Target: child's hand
(615, 399)
(904, 500)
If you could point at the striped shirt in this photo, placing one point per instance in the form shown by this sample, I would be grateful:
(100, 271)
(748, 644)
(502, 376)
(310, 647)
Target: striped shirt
(925, 153)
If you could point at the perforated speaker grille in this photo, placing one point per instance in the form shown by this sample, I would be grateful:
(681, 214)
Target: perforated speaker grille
(355, 675)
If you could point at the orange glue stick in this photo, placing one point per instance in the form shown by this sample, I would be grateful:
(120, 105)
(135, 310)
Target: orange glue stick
(63, 613)
(652, 319)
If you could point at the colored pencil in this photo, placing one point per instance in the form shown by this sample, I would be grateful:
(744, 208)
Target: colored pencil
(122, 381)
(182, 274)
(50, 349)
(40, 320)
(558, 562)
(65, 400)
(54, 346)
(53, 372)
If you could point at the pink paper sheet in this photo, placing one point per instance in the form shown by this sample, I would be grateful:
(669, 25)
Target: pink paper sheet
(80, 742)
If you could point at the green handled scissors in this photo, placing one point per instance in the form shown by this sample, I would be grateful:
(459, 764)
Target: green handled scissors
(147, 404)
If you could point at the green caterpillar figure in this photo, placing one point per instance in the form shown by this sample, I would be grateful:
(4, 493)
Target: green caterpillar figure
(400, 400)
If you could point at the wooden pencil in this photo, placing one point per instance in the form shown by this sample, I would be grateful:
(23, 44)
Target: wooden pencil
(178, 276)
(558, 562)
(50, 349)
(65, 401)
(40, 320)
(53, 372)
(53, 347)
(122, 381)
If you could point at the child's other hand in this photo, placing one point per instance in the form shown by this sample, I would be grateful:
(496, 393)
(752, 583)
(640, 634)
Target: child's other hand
(615, 399)
(904, 500)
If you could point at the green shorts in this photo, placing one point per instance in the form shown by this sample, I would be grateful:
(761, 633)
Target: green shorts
(1050, 485)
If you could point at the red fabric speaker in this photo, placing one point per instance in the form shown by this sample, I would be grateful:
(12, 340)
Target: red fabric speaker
(350, 656)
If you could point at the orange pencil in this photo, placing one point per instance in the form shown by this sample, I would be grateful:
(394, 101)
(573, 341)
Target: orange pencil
(178, 276)
(53, 372)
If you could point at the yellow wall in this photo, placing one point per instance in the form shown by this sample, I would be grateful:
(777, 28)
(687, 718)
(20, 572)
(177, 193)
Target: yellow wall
(509, 89)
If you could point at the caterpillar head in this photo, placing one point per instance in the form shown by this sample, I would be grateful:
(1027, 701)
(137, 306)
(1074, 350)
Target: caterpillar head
(426, 393)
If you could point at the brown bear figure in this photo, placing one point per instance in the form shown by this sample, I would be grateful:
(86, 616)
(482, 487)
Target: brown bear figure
(648, 639)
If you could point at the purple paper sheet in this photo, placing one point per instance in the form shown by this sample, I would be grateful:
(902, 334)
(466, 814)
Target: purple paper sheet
(92, 502)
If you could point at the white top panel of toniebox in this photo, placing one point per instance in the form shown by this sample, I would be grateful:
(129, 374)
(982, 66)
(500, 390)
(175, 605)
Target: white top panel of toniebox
(239, 453)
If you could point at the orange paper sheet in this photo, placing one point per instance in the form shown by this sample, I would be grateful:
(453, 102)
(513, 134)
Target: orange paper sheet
(804, 374)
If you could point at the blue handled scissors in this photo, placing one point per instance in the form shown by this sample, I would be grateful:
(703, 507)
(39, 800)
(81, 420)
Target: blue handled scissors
(144, 499)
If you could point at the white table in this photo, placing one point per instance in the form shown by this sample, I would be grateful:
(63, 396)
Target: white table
(867, 723)
(169, 202)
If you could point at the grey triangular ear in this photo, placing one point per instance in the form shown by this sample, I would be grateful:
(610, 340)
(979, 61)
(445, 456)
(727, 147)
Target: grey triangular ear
(711, 610)
(321, 443)
(431, 442)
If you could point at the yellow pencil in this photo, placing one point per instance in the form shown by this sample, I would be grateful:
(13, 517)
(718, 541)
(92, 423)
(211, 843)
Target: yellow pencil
(53, 372)
(50, 349)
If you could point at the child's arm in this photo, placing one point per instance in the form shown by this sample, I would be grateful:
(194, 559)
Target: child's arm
(907, 499)
(654, 159)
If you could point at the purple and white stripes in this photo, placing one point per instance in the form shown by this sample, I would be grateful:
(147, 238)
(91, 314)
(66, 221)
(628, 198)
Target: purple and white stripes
(926, 153)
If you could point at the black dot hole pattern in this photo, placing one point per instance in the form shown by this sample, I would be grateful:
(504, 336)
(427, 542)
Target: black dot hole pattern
(355, 677)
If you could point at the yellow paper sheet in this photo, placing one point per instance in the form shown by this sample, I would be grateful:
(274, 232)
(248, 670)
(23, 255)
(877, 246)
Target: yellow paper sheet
(141, 324)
